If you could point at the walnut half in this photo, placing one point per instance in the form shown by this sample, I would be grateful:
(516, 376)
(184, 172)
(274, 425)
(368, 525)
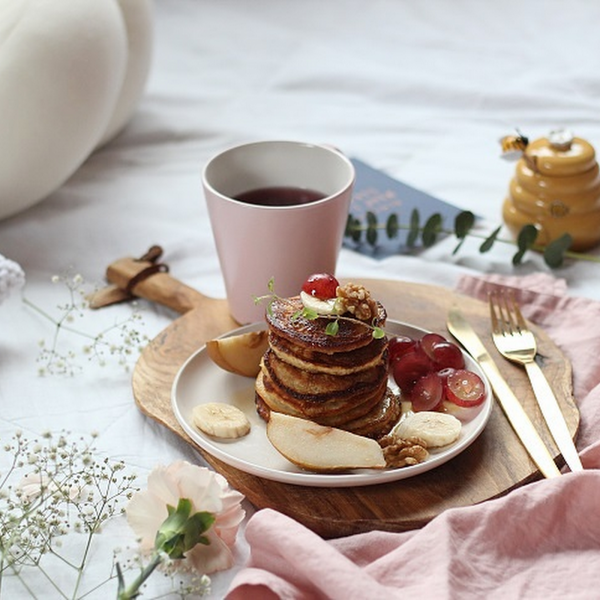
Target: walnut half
(356, 300)
(399, 452)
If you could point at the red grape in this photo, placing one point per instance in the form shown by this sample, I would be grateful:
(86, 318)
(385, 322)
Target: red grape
(410, 367)
(321, 285)
(400, 345)
(447, 354)
(428, 392)
(428, 341)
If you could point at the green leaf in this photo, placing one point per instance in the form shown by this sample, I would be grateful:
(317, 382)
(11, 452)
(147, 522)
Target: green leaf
(489, 242)
(378, 333)
(181, 530)
(463, 223)
(431, 229)
(371, 228)
(348, 232)
(525, 240)
(392, 226)
(332, 328)
(413, 233)
(353, 229)
(309, 313)
(357, 231)
(271, 284)
(457, 248)
(554, 253)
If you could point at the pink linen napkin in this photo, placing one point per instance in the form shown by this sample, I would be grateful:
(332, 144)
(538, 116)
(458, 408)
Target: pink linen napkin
(539, 541)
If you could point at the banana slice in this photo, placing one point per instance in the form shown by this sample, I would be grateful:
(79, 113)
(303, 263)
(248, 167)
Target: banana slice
(434, 428)
(321, 307)
(220, 420)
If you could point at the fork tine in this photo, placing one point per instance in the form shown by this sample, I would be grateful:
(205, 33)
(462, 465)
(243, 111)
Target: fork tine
(505, 322)
(509, 315)
(497, 324)
(519, 317)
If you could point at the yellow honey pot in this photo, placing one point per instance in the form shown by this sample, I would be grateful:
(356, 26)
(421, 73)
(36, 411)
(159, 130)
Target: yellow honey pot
(556, 187)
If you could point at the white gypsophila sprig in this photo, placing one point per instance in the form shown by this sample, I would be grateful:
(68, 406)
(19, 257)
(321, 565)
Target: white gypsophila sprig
(118, 343)
(12, 277)
(54, 487)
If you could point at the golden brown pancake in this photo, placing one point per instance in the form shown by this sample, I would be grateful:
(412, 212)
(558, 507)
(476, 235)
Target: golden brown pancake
(284, 320)
(337, 380)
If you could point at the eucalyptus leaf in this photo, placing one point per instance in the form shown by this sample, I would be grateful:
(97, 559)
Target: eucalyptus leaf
(463, 223)
(371, 228)
(353, 228)
(349, 231)
(413, 234)
(554, 253)
(489, 242)
(431, 229)
(457, 247)
(527, 236)
(525, 240)
(392, 226)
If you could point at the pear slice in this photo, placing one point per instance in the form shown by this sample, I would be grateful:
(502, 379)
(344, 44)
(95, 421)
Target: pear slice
(239, 354)
(314, 447)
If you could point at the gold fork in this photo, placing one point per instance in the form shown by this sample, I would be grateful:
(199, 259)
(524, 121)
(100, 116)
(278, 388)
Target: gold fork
(516, 342)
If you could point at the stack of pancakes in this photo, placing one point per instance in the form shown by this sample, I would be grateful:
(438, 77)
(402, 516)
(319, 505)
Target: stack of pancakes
(340, 381)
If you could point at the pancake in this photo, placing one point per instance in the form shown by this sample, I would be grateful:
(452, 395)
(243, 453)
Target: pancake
(285, 320)
(318, 361)
(338, 380)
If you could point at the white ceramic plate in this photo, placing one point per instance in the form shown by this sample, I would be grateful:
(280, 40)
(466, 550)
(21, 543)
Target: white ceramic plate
(199, 380)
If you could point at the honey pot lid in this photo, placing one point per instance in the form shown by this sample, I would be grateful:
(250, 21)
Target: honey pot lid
(560, 154)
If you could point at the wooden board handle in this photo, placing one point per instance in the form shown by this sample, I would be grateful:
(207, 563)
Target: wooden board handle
(147, 280)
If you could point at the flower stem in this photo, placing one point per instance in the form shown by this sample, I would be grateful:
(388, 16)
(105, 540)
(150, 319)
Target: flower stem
(133, 589)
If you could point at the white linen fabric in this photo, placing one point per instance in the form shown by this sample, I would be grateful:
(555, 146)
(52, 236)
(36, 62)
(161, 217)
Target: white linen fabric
(420, 90)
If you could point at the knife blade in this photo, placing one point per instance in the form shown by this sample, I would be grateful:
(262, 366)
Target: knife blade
(461, 329)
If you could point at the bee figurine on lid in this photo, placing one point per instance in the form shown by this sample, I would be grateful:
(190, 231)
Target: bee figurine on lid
(556, 187)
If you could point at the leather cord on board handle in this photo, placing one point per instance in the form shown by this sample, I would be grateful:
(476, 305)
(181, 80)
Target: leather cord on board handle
(112, 293)
(152, 256)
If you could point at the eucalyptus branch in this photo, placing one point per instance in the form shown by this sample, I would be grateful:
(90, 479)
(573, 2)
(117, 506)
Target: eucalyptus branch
(553, 253)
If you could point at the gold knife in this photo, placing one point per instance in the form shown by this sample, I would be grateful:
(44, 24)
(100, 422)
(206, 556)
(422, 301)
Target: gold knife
(460, 328)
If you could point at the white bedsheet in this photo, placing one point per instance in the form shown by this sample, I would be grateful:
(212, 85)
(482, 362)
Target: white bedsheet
(422, 90)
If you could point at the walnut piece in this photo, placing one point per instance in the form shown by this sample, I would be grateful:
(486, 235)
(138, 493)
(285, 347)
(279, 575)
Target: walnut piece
(400, 452)
(356, 300)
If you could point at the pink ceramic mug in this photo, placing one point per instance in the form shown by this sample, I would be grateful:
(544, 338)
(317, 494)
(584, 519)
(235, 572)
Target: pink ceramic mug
(291, 227)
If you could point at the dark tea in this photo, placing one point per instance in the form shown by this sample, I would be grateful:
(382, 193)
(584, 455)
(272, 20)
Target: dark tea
(280, 196)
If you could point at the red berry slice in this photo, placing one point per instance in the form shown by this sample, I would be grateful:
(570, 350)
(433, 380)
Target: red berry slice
(321, 285)
(465, 388)
(444, 373)
(428, 392)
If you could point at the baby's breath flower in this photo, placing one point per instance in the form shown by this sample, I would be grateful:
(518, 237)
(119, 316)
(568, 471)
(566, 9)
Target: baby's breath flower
(115, 341)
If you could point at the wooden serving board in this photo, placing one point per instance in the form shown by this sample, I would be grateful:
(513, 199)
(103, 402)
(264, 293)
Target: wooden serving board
(492, 466)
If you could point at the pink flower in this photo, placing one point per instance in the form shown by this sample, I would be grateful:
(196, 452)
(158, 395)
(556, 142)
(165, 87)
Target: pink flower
(207, 491)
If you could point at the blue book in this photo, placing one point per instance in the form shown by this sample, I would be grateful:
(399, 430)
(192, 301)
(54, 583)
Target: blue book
(380, 194)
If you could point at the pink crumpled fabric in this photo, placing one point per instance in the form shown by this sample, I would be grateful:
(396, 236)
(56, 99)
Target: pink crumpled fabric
(539, 541)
